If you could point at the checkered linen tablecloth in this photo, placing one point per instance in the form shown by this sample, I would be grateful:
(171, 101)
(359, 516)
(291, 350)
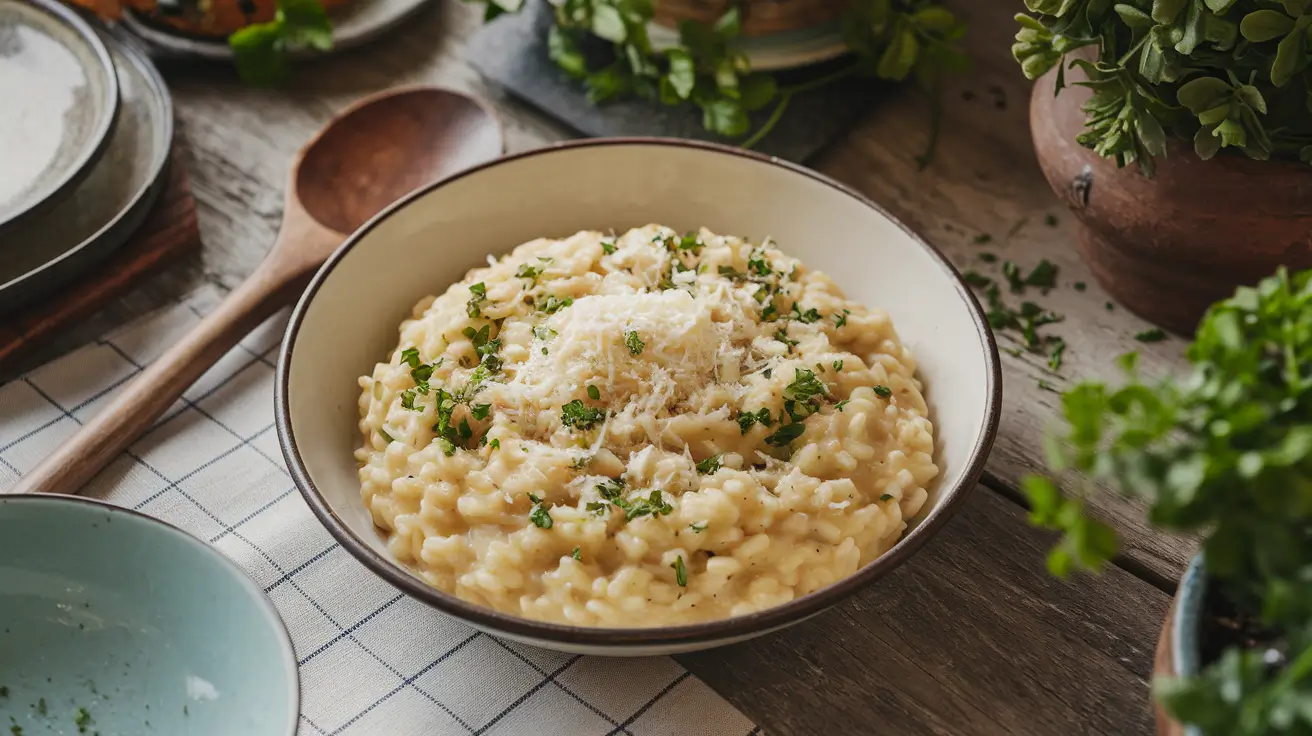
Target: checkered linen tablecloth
(372, 661)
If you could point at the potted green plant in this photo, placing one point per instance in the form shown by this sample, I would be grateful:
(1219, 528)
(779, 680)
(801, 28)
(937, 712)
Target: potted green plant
(1224, 453)
(608, 46)
(1180, 132)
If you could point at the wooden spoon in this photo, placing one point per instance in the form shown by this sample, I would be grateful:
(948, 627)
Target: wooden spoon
(376, 151)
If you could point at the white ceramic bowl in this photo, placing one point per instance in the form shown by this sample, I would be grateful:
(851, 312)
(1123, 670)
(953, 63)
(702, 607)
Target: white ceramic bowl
(347, 321)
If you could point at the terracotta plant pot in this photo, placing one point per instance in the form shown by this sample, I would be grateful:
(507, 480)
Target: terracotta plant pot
(1179, 648)
(1169, 246)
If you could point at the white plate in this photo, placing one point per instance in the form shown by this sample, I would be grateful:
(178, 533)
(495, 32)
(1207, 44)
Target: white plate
(355, 24)
(776, 51)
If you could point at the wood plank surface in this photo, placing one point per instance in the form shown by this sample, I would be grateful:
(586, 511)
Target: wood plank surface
(969, 637)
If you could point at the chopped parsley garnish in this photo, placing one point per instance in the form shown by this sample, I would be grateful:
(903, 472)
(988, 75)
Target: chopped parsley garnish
(611, 489)
(1054, 357)
(1156, 334)
(576, 415)
(577, 554)
(1109, 306)
(607, 247)
(975, 278)
(988, 257)
(883, 392)
(478, 296)
(838, 366)
(807, 317)
(82, 719)
(747, 420)
(597, 507)
(594, 393)
(691, 242)
(841, 319)
(544, 333)
(805, 386)
(730, 272)
(839, 406)
(782, 336)
(495, 444)
(886, 497)
(709, 465)
(698, 527)
(1011, 272)
(633, 342)
(465, 431)
(1047, 386)
(554, 304)
(758, 265)
(410, 356)
(383, 433)
(769, 313)
(1043, 276)
(680, 572)
(983, 238)
(1080, 286)
(480, 411)
(540, 517)
(785, 435)
(529, 271)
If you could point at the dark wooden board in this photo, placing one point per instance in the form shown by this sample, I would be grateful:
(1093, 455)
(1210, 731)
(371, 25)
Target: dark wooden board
(969, 637)
(512, 52)
(169, 232)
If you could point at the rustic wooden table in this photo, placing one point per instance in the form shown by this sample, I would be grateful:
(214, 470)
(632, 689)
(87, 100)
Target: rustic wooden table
(971, 636)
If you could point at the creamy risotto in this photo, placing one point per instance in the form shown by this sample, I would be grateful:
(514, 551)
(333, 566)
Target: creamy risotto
(643, 430)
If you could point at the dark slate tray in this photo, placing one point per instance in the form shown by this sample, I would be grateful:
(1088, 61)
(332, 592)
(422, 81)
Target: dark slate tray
(511, 51)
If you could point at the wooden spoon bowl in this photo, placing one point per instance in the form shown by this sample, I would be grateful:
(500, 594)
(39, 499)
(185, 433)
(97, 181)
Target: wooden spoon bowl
(373, 153)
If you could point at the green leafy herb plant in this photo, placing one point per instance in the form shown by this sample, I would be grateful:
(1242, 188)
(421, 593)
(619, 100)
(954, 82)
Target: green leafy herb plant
(890, 39)
(1224, 453)
(1221, 73)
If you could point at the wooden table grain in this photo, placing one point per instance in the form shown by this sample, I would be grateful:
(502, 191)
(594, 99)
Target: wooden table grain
(971, 636)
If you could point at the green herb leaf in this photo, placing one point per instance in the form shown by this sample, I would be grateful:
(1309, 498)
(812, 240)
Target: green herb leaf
(633, 342)
(698, 527)
(540, 517)
(594, 393)
(578, 416)
(785, 435)
(709, 466)
(883, 392)
(725, 116)
(680, 572)
(1156, 334)
(577, 554)
(564, 50)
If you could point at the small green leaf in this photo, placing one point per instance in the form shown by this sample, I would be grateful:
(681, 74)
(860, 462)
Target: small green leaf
(934, 19)
(1134, 17)
(1202, 93)
(725, 116)
(562, 49)
(258, 54)
(1291, 55)
(900, 57)
(1264, 25)
(729, 25)
(755, 91)
(1206, 145)
(607, 23)
(1164, 11)
(682, 74)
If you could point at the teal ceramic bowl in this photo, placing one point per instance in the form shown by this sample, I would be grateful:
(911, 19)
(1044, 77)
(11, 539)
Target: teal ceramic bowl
(115, 623)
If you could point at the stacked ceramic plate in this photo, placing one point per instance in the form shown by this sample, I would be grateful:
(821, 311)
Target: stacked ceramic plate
(85, 130)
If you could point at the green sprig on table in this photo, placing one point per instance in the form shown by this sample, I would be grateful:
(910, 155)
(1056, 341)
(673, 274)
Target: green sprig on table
(261, 49)
(1222, 73)
(1225, 453)
(892, 40)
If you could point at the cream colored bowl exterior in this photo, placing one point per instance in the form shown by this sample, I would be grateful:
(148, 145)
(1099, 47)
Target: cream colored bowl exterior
(348, 320)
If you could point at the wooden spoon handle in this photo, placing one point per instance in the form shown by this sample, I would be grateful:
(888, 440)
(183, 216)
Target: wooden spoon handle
(145, 398)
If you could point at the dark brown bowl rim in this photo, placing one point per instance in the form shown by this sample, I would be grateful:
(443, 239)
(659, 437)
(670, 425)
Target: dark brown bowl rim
(667, 636)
